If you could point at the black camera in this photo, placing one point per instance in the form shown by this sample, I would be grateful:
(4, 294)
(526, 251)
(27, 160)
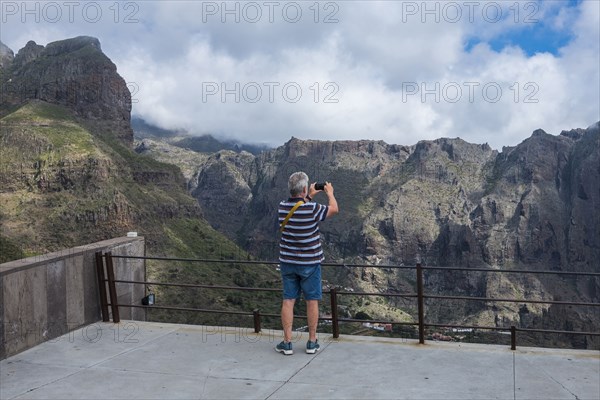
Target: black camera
(319, 186)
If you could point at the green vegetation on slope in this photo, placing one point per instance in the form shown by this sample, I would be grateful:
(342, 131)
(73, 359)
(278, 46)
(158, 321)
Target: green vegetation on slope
(63, 186)
(9, 250)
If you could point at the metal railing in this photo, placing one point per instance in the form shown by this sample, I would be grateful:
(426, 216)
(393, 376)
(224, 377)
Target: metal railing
(106, 277)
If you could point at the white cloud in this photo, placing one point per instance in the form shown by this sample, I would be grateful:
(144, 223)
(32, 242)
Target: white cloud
(369, 61)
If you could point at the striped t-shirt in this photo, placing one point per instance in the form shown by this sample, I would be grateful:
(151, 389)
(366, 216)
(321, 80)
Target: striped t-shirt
(300, 240)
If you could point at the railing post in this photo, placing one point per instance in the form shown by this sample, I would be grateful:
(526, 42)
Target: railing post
(334, 313)
(102, 286)
(112, 289)
(420, 304)
(256, 315)
(513, 338)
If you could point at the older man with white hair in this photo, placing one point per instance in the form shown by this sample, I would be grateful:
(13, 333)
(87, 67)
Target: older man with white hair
(301, 254)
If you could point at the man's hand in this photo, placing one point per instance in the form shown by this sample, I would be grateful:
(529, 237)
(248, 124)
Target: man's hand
(328, 188)
(333, 206)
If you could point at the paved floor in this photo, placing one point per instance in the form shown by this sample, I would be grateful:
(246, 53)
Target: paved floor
(167, 361)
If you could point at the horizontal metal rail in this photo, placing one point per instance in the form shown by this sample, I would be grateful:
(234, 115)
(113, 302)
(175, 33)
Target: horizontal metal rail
(410, 295)
(353, 320)
(204, 310)
(212, 311)
(513, 271)
(473, 327)
(499, 328)
(204, 260)
(376, 321)
(193, 285)
(232, 261)
(503, 300)
(557, 331)
(380, 266)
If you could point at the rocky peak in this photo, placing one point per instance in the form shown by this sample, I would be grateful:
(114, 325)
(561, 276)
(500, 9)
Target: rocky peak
(539, 132)
(454, 149)
(594, 127)
(324, 149)
(459, 150)
(578, 133)
(72, 45)
(74, 73)
(30, 52)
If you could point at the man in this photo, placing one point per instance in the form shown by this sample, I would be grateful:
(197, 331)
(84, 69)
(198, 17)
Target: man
(300, 255)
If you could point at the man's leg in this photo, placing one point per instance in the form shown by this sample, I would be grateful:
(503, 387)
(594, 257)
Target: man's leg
(312, 314)
(287, 318)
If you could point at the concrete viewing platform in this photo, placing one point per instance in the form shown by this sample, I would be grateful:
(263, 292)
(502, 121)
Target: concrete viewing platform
(147, 360)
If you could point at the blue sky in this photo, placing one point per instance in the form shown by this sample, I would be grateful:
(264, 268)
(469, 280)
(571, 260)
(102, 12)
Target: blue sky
(399, 71)
(532, 40)
(536, 34)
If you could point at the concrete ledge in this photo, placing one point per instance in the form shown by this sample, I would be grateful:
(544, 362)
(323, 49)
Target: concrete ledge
(46, 296)
(34, 261)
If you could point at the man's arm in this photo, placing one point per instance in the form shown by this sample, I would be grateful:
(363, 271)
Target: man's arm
(332, 202)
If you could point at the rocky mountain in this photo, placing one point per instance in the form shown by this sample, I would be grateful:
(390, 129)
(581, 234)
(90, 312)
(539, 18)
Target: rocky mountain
(444, 202)
(74, 73)
(69, 176)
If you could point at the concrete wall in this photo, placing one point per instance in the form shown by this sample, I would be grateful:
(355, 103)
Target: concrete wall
(46, 296)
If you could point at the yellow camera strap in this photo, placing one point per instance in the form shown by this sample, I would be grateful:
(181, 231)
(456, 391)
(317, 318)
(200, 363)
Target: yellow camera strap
(289, 215)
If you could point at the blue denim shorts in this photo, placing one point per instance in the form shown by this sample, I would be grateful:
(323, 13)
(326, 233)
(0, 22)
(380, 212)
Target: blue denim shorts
(301, 278)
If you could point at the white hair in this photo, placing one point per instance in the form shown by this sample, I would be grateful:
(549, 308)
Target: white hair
(297, 182)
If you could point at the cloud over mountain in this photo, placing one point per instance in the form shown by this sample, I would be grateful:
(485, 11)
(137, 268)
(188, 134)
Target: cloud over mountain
(396, 71)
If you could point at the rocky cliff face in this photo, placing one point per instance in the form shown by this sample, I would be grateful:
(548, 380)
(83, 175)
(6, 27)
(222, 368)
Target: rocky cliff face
(63, 186)
(443, 202)
(74, 73)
